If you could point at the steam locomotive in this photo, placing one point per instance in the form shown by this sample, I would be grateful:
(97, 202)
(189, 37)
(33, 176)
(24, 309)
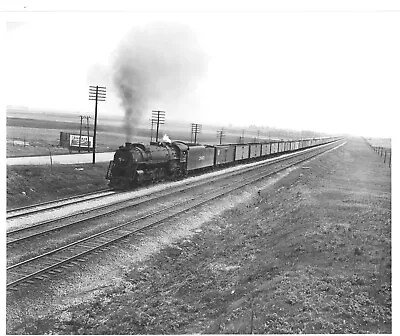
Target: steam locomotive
(135, 163)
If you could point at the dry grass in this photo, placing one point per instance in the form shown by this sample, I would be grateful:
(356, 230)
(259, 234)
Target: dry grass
(33, 184)
(380, 142)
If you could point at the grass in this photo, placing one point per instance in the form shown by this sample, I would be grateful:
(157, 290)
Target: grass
(380, 142)
(33, 184)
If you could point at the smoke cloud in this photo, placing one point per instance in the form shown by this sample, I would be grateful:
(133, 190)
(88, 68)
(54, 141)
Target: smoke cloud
(166, 139)
(159, 61)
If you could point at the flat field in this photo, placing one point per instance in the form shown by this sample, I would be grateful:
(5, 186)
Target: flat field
(380, 142)
(307, 251)
(35, 133)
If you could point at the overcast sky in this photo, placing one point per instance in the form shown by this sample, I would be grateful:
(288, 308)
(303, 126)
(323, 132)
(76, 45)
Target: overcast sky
(328, 71)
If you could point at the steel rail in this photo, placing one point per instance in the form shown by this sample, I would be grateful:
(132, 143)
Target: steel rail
(179, 189)
(128, 232)
(45, 206)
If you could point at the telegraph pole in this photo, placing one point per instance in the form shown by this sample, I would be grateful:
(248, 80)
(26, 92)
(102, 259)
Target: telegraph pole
(88, 139)
(220, 135)
(97, 93)
(196, 128)
(152, 127)
(80, 132)
(159, 118)
(80, 136)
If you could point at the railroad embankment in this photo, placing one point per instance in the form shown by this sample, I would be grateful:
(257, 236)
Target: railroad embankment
(308, 251)
(34, 184)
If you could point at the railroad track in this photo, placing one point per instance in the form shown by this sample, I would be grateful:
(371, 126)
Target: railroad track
(68, 221)
(42, 266)
(55, 204)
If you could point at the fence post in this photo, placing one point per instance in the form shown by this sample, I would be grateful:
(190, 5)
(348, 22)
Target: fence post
(384, 158)
(51, 163)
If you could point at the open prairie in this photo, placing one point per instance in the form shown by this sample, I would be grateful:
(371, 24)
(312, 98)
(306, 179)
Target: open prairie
(32, 133)
(380, 142)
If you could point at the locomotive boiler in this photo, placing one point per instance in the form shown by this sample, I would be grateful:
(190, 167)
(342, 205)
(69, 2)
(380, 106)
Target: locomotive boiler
(136, 163)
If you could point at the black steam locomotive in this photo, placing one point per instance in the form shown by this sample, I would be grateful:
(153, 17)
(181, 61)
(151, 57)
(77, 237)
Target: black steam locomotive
(136, 163)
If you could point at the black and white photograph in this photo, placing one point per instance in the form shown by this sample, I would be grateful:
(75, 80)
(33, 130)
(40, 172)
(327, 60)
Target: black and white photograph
(187, 167)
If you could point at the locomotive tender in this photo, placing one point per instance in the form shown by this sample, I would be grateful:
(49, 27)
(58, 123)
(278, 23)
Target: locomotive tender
(136, 163)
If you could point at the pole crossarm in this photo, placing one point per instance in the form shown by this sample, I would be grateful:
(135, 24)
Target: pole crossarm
(196, 128)
(220, 135)
(96, 93)
(158, 117)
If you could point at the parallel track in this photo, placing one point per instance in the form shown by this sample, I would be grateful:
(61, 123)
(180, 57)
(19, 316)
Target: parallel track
(54, 204)
(56, 224)
(66, 256)
(59, 223)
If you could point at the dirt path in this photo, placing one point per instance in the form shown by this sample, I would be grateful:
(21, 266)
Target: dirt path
(308, 251)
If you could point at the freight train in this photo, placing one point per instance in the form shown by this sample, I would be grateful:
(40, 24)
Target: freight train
(135, 163)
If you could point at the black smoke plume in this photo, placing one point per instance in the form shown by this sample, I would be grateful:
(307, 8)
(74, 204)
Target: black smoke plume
(158, 61)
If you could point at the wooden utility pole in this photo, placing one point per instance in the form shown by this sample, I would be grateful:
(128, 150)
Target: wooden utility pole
(159, 118)
(220, 135)
(196, 128)
(88, 134)
(80, 136)
(97, 93)
(151, 132)
(80, 132)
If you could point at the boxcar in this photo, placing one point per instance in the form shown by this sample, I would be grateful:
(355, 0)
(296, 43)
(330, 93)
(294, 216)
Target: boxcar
(265, 149)
(274, 147)
(224, 154)
(200, 157)
(295, 145)
(255, 150)
(241, 152)
(305, 143)
(281, 147)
